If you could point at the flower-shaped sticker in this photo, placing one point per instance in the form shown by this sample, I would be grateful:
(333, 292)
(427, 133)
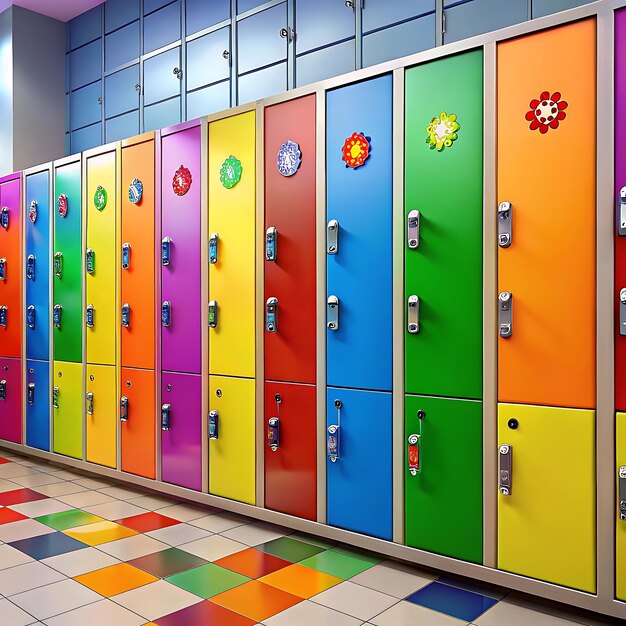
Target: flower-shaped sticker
(63, 205)
(442, 131)
(230, 173)
(181, 181)
(100, 198)
(546, 112)
(135, 191)
(32, 212)
(289, 158)
(356, 149)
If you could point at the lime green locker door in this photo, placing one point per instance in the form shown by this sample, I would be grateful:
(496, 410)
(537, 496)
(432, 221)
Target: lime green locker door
(443, 476)
(443, 227)
(547, 496)
(101, 415)
(67, 402)
(620, 540)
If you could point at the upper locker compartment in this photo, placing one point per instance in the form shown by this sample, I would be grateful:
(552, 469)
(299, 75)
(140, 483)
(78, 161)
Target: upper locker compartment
(546, 217)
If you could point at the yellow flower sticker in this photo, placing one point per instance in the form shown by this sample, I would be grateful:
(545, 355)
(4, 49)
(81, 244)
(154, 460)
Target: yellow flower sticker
(442, 131)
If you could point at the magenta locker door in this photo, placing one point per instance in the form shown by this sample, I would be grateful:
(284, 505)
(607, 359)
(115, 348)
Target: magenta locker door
(181, 332)
(11, 400)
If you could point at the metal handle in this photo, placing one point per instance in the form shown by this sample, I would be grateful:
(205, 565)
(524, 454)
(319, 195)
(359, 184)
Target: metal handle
(126, 315)
(166, 249)
(621, 227)
(166, 416)
(89, 403)
(178, 73)
(3, 268)
(138, 88)
(213, 424)
(3, 389)
(413, 455)
(505, 314)
(30, 316)
(213, 314)
(226, 54)
(350, 4)
(56, 316)
(413, 315)
(505, 224)
(622, 311)
(332, 322)
(505, 469)
(287, 33)
(30, 267)
(4, 313)
(4, 217)
(213, 247)
(124, 409)
(332, 237)
(332, 435)
(125, 256)
(58, 264)
(271, 315)
(90, 316)
(55, 397)
(90, 261)
(273, 433)
(31, 394)
(100, 100)
(271, 244)
(621, 477)
(413, 229)
(166, 313)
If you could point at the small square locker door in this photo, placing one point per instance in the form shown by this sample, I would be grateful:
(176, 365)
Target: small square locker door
(11, 400)
(37, 264)
(68, 409)
(232, 217)
(546, 171)
(444, 476)
(443, 240)
(232, 449)
(101, 415)
(137, 252)
(67, 327)
(358, 210)
(359, 480)
(290, 261)
(547, 499)
(291, 449)
(181, 178)
(38, 404)
(10, 267)
(620, 538)
(101, 257)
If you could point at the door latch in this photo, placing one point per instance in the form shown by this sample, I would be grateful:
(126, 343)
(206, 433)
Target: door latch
(30, 267)
(213, 423)
(413, 229)
(505, 314)
(3, 315)
(58, 264)
(271, 244)
(333, 313)
(622, 492)
(166, 416)
(621, 227)
(89, 316)
(126, 315)
(332, 438)
(125, 256)
(3, 268)
(4, 217)
(30, 316)
(414, 454)
(505, 469)
(332, 237)
(622, 311)
(90, 261)
(3, 389)
(213, 245)
(56, 316)
(89, 403)
(213, 314)
(123, 409)
(505, 221)
(273, 434)
(166, 249)
(166, 313)
(31, 393)
(413, 315)
(55, 397)
(271, 315)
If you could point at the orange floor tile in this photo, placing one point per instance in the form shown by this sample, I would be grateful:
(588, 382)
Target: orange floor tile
(301, 581)
(115, 579)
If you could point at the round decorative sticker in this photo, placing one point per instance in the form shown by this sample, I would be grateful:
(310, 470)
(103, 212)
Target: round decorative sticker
(135, 191)
(230, 174)
(546, 112)
(289, 158)
(63, 205)
(32, 212)
(100, 198)
(182, 181)
(356, 150)
(442, 131)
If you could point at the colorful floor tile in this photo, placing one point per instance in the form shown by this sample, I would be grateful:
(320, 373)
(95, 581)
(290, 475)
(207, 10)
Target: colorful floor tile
(19, 496)
(69, 519)
(45, 546)
(207, 580)
(145, 522)
(205, 613)
(100, 532)
(252, 563)
(115, 579)
(337, 564)
(300, 581)
(8, 515)
(289, 549)
(167, 562)
(3, 460)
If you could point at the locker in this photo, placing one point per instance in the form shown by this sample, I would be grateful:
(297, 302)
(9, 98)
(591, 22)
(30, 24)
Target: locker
(325, 63)
(359, 481)
(161, 115)
(181, 429)
(291, 461)
(159, 80)
(138, 426)
(67, 285)
(86, 138)
(137, 277)
(68, 409)
(290, 351)
(232, 450)
(380, 13)
(443, 476)
(545, 7)
(201, 14)
(359, 275)
(208, 59)
(180, 274)
(38, 404)
(101, 415)
(122, 46)
(262, 83)
(123, 126)
(37, 263)
(85, 107)
(259, 40)
(120, 92)
(11, 252)
(102, 240)
(161, 27)
(208, 100)
(620, 539)
(117, 13)
(11, 403)
(85, 27)
(546, 528)
(547, 354)
(443, 263)
(232, 217)
(323, 22)
(86, 64)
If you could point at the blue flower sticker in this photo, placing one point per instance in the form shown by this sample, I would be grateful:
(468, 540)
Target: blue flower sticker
(289, 158)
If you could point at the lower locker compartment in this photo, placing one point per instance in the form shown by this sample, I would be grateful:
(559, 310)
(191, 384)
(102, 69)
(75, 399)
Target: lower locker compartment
(67, 409)
(101, 415)
(11, 400)
(443, 441)
(359, 480)
(138, 423)
(547, 494)
(620, 539)
(232, 451)
(291, 449)
(38, 405)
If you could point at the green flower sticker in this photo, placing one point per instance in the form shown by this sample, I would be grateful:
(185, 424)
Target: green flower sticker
(230, 174)
(442, 131)
(100, 198)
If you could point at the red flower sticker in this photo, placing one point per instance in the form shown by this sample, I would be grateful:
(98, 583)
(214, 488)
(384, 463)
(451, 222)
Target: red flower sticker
(182, 181)
(546, 112)
(356, 149)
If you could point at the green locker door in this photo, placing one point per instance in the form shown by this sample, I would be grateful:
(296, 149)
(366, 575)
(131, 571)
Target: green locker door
(67, 403)
(443, 262)
(444, 493)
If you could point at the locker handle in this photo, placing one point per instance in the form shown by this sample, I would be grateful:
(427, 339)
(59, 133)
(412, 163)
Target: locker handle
(123, 409)
(126, 315)
(55, 397)
(213, 424)
(58, 264)
(622, 311)
(125, 256)
(414, 454)
(90, 261)
(4, 312)
(332, 237)
(30, 316)
(273, 433)
(505, 314)
(3, 389)
(505, 224)
(271, 244)
(89, 316)
(4, 217)
(213, 314)
(213, 247)
(332, 436)
(166, 313)
(30, 267)
(166, 416)
(166, 251)
(89, 403)
(621, 475)
(31, 393)
(271, 315)
(332, 322)
(505, 469)
(621, 230)
(56, 315)
(413, 315)
(3, 268)
(413, 229)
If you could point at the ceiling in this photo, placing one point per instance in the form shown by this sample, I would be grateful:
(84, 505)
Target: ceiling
(63, 10)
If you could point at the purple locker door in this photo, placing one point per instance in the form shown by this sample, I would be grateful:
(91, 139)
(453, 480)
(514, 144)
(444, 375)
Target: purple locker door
(181, 429)
(11, 400)
(181, 346)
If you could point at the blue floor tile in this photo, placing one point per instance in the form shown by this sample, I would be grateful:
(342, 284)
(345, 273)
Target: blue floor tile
(453, 601)
(490, 592)
(48, 545)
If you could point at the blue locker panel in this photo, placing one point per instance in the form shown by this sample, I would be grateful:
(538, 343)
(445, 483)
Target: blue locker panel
(120, 94)
(159, 80)
(202, 14)
(359, 352)
(263, 83)
(37, 404)
(85, 27)
(122, 46)
(399, 41)
(325, 63)
(161, 115)
(86, 64)
(38, 245)
(205, 59)
(546, 7)
(152, 5)
(259, 40)
(322, 22)
(85, 107)
(122, 127)
(118, 13)
(208, 100)
(86, 138)
(161, 27)
(359, 482)
(381, 13)
(246, 5)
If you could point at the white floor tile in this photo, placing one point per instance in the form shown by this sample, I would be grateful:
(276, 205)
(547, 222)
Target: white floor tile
(28, 576)
(8, 485)
(213, 547)
(10, 557)
(408, 614)
(14, 531)
(121, 493)
(254, 534)
(35, 480)
(394, 579)
(102, 613)
(114, 510)
(12, 615)
(355, 600)
(40, 507)
(85, 498)
(80, 561)
(132, 547)
(513, 615)
(179, 533)
(309, 614)
(92, 483)
(184, 512)
(12, 470)
(151, 503)
(219, 522)
(60, 489)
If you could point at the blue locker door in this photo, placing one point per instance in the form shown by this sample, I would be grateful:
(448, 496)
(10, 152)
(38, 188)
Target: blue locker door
(380, 13)
(322, 22)
(38, 404)
(159, 80)
(259, 40)
(359, 482)
(38, 276)
(359, 274)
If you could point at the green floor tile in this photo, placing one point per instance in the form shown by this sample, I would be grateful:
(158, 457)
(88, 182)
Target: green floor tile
(207, 580)
(68, 519)
(315, 541)
(289, 549)
(368, 557)
(337, 564)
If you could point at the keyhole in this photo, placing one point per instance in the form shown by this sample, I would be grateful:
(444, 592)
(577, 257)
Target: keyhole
(513, 424)
(218, 393)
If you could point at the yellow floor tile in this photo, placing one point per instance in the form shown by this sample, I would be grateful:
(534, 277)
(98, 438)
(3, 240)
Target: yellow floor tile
(102, 532)
(300, 581)
(115, 579)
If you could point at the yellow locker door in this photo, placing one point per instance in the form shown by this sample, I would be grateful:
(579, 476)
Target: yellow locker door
(101, 415)
(620, 546)
(232, 190)
(547, 523)
(232, 453)
(67, 401)
(101, 257)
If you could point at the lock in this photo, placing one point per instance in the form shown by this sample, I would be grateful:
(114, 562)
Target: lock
(90, 261)
(413, 229)
(332, 322)
(621, 477)
(413, 315)
(30, 316)
(213, 422)
(273, 440)
(125, 256)
(166, 416)
(30, 391)
(126, 315)
(622, 311)
(58, 264)
(3, 316)
(414, 454)
(4, 217)
(89, 403)
(213, 244)
(271, 244)
(3, 268)
(505, 224)
(166, 313)
(332, 443)
(505, 314)
(332, 237)
(271, 315)
(166, 249)
(123, 409)
(505, 468)
(213, 314)
(3, 389)
(55, 397)
(30, 267)
(621, 226)
(56, 316)
(89, 316)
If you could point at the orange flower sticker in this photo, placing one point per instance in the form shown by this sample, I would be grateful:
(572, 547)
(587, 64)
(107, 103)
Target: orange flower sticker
(356, 149)
(546, 112)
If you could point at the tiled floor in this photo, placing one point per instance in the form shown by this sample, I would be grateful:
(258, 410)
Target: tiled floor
(77, 550)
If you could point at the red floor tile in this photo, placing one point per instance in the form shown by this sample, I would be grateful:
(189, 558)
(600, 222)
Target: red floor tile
(145, 522)
(3, 460)
(7, 515)
(19, 496)
(252, 563)
(205, 613)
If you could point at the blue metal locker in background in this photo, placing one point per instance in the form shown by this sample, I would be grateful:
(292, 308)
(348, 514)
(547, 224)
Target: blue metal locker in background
(38, 404)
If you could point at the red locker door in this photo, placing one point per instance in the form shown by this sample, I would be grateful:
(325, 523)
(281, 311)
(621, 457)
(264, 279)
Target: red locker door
(290, 209)
(290, 466)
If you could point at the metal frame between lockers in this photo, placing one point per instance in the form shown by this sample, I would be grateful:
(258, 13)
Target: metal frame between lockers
(604, 601)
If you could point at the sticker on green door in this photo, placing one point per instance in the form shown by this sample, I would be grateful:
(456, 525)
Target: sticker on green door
(442, 131)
